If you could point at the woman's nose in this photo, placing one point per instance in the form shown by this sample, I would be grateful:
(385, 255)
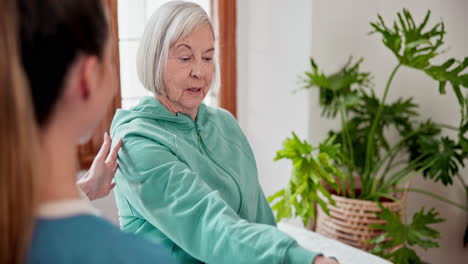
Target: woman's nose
(197, 69)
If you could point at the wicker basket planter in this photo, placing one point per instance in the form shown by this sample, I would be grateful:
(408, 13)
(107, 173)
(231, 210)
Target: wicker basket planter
(349, 220)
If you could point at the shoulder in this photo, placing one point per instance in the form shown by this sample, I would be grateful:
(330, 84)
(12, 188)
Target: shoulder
(220, 114)
(148, 121)
(143, 127)
(144, 135)
(89, 239)
(222, 121)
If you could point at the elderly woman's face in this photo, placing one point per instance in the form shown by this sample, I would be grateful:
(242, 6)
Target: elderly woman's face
(189, 69)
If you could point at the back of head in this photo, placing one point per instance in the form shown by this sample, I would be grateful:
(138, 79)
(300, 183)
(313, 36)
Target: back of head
(18, 141)
(53, 33)
(39, 41)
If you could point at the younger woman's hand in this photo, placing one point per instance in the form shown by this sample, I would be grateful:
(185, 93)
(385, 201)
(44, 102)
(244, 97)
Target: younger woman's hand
(97, 182)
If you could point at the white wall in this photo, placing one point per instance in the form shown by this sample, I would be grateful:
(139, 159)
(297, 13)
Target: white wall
(273, 45)
(339, 30)
(275, 40)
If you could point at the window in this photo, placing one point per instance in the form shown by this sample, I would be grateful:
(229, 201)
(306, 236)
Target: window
(133, 16)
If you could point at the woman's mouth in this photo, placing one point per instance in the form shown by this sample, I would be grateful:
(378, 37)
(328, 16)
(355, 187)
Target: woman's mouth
(194, 91)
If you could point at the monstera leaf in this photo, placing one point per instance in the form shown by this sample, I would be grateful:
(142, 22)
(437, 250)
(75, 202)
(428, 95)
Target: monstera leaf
(339, 89)
(445, 155)
(400, 235)
(413, 45)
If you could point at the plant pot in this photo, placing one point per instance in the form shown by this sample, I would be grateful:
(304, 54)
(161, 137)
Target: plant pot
(349, 219)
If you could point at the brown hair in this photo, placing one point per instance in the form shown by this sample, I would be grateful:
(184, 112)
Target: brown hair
(52, 34)
(19, 145)
(34, 32)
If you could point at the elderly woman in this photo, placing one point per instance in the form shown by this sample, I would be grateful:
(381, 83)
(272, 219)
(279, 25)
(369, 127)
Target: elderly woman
(187, 176)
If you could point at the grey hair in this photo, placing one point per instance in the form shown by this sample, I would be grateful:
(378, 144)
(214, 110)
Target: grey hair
(171, 22)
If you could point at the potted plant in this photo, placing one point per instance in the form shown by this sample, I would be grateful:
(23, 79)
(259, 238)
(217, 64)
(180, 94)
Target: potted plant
(357, 175)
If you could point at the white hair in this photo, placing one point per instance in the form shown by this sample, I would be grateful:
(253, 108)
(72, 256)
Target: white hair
(173, 21)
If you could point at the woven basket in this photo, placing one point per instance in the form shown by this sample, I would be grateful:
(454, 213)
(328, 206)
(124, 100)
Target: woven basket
(349, 220)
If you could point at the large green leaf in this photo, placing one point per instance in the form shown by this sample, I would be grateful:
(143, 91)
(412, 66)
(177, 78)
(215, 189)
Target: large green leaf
(413, 45)
(397, 115)
(338, 89)
(451, 71)
(312, 167)
(446, 157)
(398, 234)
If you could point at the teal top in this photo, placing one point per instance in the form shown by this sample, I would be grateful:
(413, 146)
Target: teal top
(89, 239)
(193, 187)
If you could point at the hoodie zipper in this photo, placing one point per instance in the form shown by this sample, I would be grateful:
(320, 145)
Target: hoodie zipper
(198, 137)
(200, 141)
(197, 128)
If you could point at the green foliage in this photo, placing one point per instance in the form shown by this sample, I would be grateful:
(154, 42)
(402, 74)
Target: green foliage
(427, 131)
(365, 118)
(397, 115)
(464, 126)
(339, 89)
(445, 155)
(400, 235)
(362, 146)
(312, 168)
(415, 47)
(412, 44)
(450, 71)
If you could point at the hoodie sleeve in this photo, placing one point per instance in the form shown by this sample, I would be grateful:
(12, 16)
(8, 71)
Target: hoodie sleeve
(170, 196)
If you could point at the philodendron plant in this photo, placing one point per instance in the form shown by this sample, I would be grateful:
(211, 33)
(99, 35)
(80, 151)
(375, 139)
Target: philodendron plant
(362, 147)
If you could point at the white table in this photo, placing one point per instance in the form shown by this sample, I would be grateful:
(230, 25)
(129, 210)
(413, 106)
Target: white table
(329, 247)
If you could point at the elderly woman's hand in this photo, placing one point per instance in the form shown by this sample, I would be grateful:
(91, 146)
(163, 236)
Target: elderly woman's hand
(97, 182)
(325, 260)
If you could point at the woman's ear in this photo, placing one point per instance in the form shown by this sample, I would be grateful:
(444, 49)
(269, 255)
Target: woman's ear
(88, 76)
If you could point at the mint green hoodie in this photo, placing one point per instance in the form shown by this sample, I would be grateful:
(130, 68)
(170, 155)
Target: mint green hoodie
(193, 187)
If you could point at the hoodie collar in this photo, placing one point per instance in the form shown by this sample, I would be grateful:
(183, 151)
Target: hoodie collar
(152, 106)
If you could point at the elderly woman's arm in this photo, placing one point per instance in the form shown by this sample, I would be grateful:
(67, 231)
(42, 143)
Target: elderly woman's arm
(172, 197)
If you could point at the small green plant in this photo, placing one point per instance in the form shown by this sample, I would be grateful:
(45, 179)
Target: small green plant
(395, 244)
(362, 147)
(312, 168)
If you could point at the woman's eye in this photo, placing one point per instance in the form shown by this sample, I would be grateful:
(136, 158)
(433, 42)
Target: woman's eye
(208, 59)
(184, 59)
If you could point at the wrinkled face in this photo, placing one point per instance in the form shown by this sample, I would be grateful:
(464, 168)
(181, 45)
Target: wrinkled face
(189, 69)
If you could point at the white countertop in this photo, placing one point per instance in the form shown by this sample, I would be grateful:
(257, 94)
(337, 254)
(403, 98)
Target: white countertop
(329, 247)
